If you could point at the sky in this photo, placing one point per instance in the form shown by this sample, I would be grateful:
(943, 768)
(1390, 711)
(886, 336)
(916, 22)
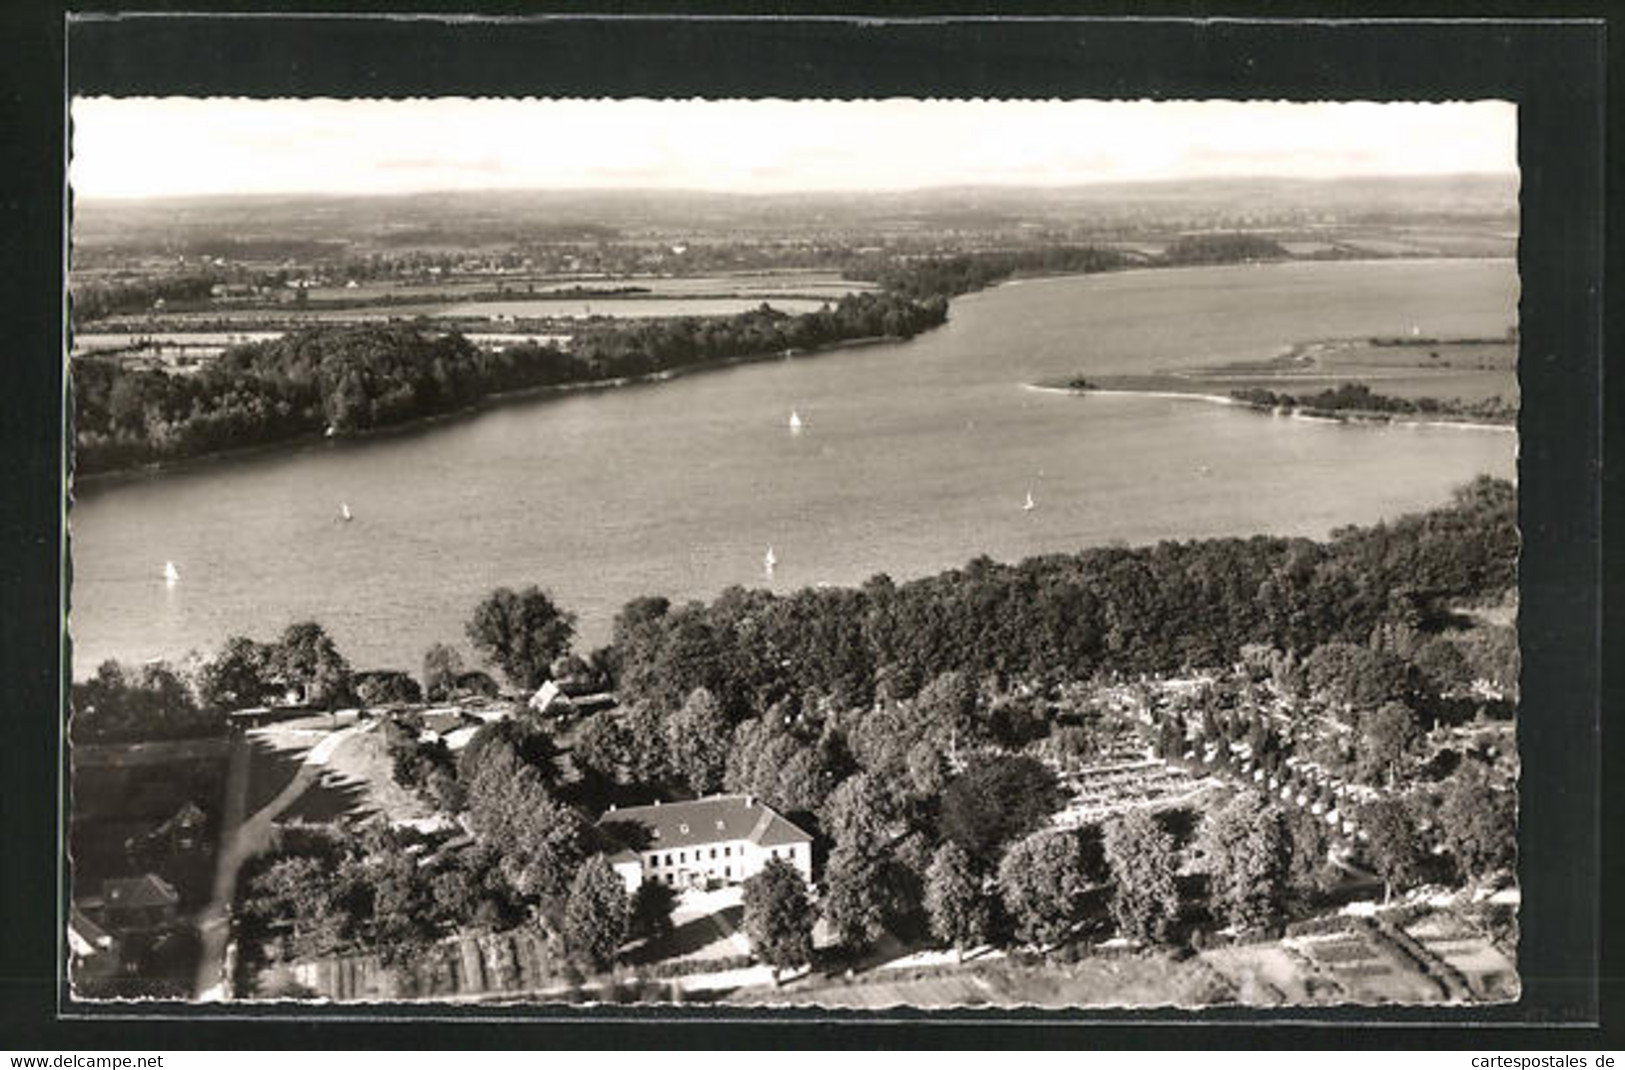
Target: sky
(144, 147)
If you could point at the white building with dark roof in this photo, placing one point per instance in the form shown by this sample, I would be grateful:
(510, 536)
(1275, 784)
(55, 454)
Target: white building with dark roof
(720, 839)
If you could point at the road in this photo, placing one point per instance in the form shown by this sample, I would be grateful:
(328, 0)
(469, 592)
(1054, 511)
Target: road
(240, 840)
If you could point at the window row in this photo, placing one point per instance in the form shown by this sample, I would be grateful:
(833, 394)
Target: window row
(654, 861)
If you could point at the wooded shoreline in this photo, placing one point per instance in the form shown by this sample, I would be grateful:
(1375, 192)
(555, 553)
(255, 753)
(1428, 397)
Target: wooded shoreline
(308, 440)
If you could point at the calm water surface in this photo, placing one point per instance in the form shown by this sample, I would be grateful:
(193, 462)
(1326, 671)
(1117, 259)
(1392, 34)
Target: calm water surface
(913, 458)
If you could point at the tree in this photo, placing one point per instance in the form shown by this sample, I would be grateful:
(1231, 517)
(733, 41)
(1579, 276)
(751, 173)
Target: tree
(1244, 850)
(1443, 664)
(652, 906)
(152, 702)
(596, 916)
(857, 896)
(1142, 859)
(386, 686)
(928, 770)
(1360, 677)
(236, 678)
(860, 814)
(769, 761)
(441, 667)
(1309, 869)
(994, 800)
(1479, 824)
(645, 727)
(306, 657)
(1391, 843)
(954, 900)
(698, 738)
(604, 744)
(1386, 736)
(778, 919)
(521, 633)
(946, 706)
(539, 841)
(1042, 880)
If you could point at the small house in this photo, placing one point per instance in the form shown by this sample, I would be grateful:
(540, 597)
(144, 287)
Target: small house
(143, 902)
(93, 949)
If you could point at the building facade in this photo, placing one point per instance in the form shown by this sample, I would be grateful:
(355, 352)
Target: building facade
(702, 843)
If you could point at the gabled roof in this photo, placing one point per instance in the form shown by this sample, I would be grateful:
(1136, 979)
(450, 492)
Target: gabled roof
(713, 819)
(775, 831)
(136, 893)
(85, 936)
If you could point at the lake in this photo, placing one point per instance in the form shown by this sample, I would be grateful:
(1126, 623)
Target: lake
(913, 458)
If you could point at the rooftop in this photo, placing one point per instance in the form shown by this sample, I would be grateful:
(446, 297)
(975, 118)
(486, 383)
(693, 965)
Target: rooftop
(85, 936)
(135, 893)
(713, 819)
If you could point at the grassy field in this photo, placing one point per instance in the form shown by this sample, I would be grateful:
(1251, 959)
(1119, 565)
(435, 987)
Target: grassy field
(357, 778)
(1107, 980)
(360, 778)
(1469, 370)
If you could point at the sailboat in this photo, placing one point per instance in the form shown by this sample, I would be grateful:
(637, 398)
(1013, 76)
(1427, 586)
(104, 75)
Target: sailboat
(770, 560)
(344, 511)
(172, 575)
(1029, 505)
(795, 421)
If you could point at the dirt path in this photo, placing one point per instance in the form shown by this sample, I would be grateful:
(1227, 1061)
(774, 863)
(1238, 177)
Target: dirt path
(240, 840)
(211, 921)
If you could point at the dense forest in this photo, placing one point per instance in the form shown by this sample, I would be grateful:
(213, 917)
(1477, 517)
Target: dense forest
(1149, 609)
(355, 378)
(949, 276)
(1223, 249)
(95, 300)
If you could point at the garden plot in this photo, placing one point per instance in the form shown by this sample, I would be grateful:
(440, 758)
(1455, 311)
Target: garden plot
(1368, 971)
(1102, 791)
(466, 966)
(1487, 971)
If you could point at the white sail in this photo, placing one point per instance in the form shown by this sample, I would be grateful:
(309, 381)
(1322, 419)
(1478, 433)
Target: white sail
(1029, 505)
(770, 560)
(171, 573)
(344, 510)
(795, 420)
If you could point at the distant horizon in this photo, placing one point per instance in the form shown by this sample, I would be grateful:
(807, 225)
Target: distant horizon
(680, 191)
(151, 149)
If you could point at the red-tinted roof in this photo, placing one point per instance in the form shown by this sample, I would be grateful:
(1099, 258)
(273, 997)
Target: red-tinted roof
(713, 819)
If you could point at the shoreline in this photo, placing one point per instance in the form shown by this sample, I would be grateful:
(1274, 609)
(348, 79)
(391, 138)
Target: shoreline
(1306, 415)
(311, 439)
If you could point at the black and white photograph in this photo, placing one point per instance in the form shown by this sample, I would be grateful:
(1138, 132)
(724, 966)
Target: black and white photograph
(761, 553)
